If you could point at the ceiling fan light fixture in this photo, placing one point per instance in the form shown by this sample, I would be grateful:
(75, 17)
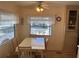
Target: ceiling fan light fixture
(42, 9)
(39, 9)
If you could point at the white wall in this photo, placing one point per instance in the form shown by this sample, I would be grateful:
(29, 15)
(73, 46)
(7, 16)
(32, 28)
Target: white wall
(56, 41)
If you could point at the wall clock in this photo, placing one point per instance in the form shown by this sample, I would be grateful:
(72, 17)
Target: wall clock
(58, 18)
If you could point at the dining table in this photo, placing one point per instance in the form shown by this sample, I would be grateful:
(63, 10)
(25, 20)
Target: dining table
(32, 44)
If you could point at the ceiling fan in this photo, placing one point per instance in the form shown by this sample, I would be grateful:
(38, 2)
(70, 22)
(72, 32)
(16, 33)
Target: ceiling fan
(41, 6)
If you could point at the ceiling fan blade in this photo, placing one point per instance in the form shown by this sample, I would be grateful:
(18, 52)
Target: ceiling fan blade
(45, 6)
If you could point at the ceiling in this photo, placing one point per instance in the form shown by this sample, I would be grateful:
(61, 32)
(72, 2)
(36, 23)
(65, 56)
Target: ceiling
(27, 3)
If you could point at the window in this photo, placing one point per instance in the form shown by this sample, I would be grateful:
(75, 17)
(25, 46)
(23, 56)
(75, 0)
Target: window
(6, 32)
(7, 26)
(40, 25)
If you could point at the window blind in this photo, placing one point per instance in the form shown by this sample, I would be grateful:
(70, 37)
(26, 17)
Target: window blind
(7, 25)
(8, 18)
(41, 25)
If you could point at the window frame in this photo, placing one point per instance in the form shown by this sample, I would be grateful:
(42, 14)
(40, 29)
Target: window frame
(33, 35)
(14, 29)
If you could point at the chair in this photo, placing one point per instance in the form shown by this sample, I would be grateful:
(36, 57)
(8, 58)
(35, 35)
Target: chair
(24, 49)
(25, 52)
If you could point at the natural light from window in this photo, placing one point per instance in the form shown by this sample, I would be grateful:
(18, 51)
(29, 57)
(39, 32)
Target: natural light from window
(7, 25)
(41, 25)
(6, 32)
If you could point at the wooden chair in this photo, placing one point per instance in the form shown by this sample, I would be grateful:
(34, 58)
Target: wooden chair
(25, 53)
(38, 53)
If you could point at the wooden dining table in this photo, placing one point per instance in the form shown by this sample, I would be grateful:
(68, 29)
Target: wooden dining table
(33, 44)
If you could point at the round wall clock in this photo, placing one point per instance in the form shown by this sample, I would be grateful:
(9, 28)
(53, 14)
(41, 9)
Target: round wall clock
(58, 18)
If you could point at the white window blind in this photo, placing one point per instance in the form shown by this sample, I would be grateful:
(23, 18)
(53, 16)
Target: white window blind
(7, 25)
(8, 18)
(41, 25)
